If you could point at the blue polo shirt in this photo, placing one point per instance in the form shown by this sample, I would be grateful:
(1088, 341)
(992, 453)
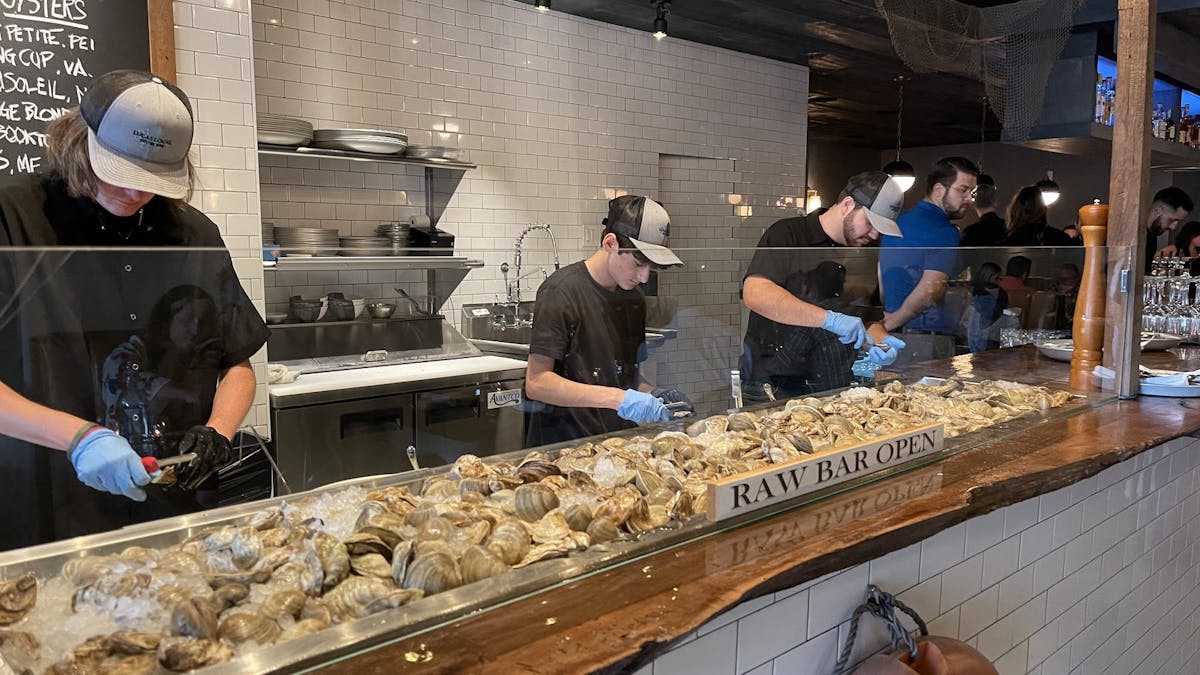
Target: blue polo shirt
(929, 243)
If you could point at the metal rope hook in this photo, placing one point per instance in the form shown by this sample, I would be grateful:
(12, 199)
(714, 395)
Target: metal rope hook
(883, 605)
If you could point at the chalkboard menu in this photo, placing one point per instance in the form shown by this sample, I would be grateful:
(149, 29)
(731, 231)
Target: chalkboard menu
(49, 52)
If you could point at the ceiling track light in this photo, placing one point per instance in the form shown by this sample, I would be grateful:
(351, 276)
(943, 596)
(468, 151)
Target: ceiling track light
(541, 5)
(660, 21)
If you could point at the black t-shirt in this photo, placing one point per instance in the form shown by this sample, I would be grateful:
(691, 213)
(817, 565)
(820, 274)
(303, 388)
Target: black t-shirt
(795, 359)
(989, 231)
(595, 336)
(131, 339)
(1038, 234)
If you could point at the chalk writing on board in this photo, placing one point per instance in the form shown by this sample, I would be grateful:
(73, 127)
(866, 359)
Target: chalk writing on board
(44, 46)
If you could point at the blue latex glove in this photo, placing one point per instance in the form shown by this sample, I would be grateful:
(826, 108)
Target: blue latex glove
(879, 356)
(104, 461)
(643, 408)
(849, 329)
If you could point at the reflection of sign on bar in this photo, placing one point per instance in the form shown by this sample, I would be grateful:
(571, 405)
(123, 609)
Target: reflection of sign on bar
(769, 485)
(787, 531)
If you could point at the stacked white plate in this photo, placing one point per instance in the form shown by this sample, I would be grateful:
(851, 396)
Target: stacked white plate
(307, 240)
(365, 246)
(374, 141)
(280, 130)
(434, 152)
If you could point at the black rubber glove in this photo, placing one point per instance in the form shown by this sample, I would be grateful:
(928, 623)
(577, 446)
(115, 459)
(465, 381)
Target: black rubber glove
(670, 396)
(213, 451)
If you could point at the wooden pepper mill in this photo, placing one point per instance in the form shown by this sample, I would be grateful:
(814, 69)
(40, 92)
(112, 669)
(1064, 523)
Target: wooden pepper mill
(1088, 327)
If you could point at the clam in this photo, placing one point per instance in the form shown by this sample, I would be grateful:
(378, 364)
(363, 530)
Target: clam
(17, 597)
(480, 563)
(509, 541)
(357, 597)
(619, 507)
(440, 489)
(369, 510)
(534, 500)
(371, 565)
(602, 529)
(242, 627)
(317, 610)
(183, 654)
(578, 516)
(681, 505)
(335, 561)
(418, 516)
(654, 515)
(474, 486)
(743, 421)
(284, 603)
(437, 528)
(195, 617)
(433, 573)
(132, 642)
(362, 543)
(401, 556)
(547, 551)
(229, 595)
(302, 628)
(305, 575)
(86, 570)
(534, 470)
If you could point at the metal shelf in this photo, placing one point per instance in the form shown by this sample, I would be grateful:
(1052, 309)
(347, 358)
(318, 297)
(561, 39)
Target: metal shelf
(284, 151)
(400, 262)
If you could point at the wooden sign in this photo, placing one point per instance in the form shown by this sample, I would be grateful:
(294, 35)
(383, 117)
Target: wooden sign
(746, 492)
(51, 49)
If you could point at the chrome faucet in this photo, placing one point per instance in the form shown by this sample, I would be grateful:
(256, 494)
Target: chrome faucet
(514, 288)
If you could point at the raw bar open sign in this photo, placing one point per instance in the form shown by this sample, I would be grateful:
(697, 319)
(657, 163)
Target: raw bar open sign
(780, 482)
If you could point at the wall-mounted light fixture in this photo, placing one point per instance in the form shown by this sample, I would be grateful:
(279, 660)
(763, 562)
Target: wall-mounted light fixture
(660, 20)
(812, 200)
(1049, 188)
(541, 5)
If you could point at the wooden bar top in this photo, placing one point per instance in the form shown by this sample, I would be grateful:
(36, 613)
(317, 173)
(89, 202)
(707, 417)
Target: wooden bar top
(621, 618)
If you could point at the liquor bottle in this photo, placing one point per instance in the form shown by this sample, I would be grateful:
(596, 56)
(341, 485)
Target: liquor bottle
(1171, 125)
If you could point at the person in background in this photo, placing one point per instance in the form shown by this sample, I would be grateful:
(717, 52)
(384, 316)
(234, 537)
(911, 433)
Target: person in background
(1066, 291)
(120, 341)
(1016, 271)
(1168, 209)
(929, 243)
(1185, 245)
(589, 333)
(798, 340)
(1067, 280)
(988, 302)
(1027, 224)
(989, 229)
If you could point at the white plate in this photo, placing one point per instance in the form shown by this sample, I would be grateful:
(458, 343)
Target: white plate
(1157, 342)
(1173, 390)
(1061, 350)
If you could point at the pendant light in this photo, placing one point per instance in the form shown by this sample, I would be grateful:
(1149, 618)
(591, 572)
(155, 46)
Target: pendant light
(660, 20)
(541, 5)
(1049, 188)
(901, 171)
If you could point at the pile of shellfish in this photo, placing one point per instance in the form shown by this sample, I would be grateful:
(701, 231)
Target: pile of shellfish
(284, 573)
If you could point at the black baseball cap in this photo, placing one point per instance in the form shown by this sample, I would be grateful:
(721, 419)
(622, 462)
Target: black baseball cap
(646, 224)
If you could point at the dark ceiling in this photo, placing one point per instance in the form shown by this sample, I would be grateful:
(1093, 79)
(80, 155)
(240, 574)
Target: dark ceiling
(853, 94)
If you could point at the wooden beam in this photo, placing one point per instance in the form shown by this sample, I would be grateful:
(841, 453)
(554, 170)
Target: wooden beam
(162, 38)
(1128, 187)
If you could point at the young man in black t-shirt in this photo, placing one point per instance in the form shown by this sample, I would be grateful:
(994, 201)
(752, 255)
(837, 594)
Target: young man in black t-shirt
(799, 346)
(589, 332)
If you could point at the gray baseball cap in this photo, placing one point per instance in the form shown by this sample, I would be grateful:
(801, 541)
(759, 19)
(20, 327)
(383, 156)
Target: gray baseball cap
(139, 132)
(882, 198)
(646, 224)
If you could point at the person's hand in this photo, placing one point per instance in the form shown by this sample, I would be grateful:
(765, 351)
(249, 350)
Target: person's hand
(213, 451)
(643, 408)
(674, 396)
(886, 357)
(104, 461)
(849, 329)
(1167, 251)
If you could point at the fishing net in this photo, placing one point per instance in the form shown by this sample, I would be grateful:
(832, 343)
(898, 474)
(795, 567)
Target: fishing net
(1009, 48)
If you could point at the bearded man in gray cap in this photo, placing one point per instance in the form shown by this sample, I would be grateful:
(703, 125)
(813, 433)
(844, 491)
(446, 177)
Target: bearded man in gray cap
(589, 333)
(797, 342)
(116, 353)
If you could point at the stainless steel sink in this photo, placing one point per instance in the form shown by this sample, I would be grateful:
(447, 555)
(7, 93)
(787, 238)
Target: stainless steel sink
(498, 322)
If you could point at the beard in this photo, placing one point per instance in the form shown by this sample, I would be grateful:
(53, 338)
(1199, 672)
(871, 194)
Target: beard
(953, 215)
(1156, 226)
(848, 232)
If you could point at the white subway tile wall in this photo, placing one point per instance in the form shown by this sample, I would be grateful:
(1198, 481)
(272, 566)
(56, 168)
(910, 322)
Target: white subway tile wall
(1130, 606)
(560, 114)
(213, 65)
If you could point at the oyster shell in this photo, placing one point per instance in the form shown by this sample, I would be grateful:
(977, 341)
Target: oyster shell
(602, 529)
(371, 565)
(183, 654)
(335, 560)
(17, 597)
(284, 603)
(195, 617)
(239, 627)
(229, 595)
(302, 628)
(357, 597)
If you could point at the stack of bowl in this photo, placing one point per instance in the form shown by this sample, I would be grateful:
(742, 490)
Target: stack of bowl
(307, 241)
(307, 310)
(397, 235)
(281, 130)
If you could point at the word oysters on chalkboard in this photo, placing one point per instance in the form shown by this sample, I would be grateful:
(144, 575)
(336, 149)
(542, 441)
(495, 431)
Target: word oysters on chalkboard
(49, 52)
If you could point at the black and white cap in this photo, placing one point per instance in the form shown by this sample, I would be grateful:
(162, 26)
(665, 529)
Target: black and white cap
(882, 197)
(139, 132)
(645, 223)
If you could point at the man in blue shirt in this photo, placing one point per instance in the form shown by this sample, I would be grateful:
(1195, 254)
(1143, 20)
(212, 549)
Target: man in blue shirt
(914, 270)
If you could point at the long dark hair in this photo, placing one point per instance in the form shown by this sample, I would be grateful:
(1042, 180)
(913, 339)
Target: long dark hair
(1026, 208)
(1184, 239)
